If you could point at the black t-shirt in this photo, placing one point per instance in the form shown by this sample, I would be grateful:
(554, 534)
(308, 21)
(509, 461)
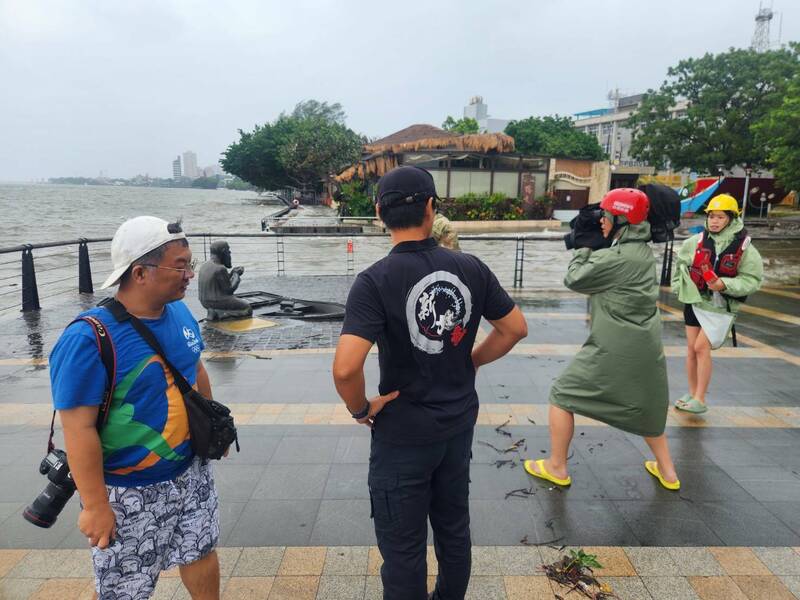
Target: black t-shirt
(423, 304)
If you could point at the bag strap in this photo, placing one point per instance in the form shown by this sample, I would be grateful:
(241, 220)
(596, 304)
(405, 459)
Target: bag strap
(108, 355)
(121, 314)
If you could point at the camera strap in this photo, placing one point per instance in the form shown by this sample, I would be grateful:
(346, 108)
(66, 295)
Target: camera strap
(108, 356)
(121, 314)
(210, 423)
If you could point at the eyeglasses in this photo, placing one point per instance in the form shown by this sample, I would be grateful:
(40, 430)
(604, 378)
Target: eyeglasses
(185, 271)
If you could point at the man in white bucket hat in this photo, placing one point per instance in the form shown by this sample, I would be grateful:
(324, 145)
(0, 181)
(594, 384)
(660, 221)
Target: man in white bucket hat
(148, 503)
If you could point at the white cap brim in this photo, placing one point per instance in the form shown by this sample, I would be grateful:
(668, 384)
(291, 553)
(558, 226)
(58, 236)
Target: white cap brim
(113, 279)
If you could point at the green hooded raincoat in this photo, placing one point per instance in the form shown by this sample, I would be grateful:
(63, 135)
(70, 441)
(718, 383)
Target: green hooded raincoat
(747, 281)
(619, 376)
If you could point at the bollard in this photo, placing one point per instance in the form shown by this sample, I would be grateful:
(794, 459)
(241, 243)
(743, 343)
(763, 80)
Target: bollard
(30, 293)
(84, 269)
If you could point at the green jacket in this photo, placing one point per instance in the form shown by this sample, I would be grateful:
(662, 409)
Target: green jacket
(619, 376)
(748, 280)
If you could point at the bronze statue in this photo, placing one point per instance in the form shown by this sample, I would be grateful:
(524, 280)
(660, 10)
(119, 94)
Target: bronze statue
(217, 285)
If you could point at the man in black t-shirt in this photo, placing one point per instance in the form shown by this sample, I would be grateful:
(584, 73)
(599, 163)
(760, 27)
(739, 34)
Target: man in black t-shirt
(422, 304)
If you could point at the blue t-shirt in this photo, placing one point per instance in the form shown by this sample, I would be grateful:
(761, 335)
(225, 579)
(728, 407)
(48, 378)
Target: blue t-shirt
(146, 437)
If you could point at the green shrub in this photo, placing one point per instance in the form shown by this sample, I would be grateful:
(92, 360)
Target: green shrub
(541, 208)
(354, 201)
(482, 207)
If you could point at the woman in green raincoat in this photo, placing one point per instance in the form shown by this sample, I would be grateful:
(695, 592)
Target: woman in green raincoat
(715, 271)
(619, 376)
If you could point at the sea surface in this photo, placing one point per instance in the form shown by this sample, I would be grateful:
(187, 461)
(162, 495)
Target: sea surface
(38, 213)
(35, 213)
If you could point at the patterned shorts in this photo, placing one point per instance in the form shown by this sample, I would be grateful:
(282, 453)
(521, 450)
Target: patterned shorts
(159, 526)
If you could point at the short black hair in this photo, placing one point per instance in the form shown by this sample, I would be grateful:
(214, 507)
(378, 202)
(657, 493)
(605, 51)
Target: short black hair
(153, 257)
(404, 216)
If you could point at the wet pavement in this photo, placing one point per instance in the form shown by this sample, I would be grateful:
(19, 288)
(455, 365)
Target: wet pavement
(300, 479)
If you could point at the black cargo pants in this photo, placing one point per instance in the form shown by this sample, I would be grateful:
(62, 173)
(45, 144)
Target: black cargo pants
(407, 486)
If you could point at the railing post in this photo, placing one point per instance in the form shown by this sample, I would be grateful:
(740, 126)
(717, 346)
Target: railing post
(519, 262)
(85, 285)
(30, 293)
(350, 257)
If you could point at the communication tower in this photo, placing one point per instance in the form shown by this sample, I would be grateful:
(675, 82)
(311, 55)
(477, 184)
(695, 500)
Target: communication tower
(761, 40)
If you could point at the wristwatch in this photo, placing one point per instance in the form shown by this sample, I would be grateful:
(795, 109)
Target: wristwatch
(362, 413)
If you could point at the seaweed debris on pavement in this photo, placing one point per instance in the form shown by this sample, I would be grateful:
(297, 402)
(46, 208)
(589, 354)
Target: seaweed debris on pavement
(575, 572)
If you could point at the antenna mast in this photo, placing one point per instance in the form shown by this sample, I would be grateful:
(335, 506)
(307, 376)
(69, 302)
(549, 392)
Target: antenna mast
(761, 41)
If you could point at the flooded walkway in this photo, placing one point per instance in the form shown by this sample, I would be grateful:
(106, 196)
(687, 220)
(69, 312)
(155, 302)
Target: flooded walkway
(295, 505)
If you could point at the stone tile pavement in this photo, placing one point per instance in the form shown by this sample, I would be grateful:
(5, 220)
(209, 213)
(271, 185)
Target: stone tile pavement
(294, 503)
(498, 573)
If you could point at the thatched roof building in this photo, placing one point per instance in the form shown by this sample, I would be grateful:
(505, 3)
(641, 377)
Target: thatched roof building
(413, 133)
(382, 155)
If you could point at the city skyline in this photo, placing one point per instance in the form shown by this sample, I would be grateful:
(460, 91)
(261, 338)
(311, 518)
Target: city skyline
(243, 65)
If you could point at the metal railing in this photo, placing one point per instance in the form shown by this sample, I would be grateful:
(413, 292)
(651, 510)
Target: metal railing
(38, 274)
(44, 271)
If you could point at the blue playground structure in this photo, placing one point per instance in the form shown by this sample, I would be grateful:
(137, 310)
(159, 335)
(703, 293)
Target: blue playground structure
(696, 202)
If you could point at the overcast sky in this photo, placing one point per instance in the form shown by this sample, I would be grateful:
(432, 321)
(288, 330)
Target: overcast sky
(124, 87)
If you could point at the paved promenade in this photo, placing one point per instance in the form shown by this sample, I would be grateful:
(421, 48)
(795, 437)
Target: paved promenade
(295, 506)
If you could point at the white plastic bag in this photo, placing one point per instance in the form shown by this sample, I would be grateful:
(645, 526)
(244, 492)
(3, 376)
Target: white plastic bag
(716, 324)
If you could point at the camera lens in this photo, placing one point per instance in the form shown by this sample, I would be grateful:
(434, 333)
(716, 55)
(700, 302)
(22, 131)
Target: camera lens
(44, 510)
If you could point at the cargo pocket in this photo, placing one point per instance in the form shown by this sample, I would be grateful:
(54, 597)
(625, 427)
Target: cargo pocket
(383, 500)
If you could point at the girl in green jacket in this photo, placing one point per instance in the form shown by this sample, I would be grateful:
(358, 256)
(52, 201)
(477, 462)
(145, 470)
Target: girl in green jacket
(716, 270)
(619, 376)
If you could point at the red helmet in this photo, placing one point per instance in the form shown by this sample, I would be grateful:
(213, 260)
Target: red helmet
(627, 202)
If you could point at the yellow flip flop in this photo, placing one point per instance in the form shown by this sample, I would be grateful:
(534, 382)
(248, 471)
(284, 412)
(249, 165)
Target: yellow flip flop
(543, 474)
(652, 468)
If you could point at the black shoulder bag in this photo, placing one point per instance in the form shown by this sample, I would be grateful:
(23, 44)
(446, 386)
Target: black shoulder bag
(210, 423)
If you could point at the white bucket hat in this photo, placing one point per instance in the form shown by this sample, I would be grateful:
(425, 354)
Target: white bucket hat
(135, 238)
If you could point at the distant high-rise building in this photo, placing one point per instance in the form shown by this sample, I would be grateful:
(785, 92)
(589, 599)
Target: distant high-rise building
(609, 125)
(476, 109)
(212, 171)
(190, 164)
(479, 111)
(176, 167)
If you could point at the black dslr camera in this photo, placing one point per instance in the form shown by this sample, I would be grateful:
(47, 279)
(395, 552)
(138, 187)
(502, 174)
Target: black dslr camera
(586, 232)
(44, 510)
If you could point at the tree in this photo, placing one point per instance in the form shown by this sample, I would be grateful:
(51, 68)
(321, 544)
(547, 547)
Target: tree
(727, 96)
(354, 201)
(463, 126)
(238, 184)
(254, 158)
(780, 134)
(299, 149)
(313, 109)
(206, 183)
(553, 136)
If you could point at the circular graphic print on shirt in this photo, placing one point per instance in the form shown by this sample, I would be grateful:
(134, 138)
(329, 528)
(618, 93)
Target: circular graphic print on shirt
(438, 309)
